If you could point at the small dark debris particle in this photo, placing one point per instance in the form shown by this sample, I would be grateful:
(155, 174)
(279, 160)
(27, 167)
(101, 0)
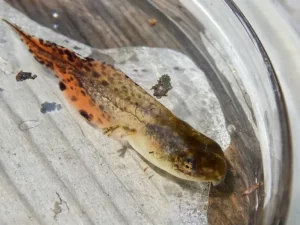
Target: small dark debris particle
(135, 70)
(1, 89)
(144, 70)
(145, 169)
(162, 87)
(151, 152)
(152, 22)
(83, 93)
(49, 107)
(62, 86)
(21, 76)
(176, 68)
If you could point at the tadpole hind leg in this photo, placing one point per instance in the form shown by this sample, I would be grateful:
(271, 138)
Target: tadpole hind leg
(125, 147)
(123, 151)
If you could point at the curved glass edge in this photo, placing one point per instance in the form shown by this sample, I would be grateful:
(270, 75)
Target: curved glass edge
(233, 32)
(283, 202)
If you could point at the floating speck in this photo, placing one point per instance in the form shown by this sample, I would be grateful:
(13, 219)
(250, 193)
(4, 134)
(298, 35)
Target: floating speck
(55, 15)
(21, 76)
(152, 22)
(55, 26)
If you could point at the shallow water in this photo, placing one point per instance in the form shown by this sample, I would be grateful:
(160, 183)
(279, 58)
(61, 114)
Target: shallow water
(221, 86)
(78, 162)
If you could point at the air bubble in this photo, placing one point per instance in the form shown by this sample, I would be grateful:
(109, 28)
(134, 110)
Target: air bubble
(55, 15)
(231, 129)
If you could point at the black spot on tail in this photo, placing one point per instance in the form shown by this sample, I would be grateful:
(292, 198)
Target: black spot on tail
(89, 59)
(49, 65)
(62, 86)
(85, 115)
(69, 55)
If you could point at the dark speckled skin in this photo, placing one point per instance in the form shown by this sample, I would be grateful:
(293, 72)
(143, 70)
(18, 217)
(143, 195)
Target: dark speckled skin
(107, 98)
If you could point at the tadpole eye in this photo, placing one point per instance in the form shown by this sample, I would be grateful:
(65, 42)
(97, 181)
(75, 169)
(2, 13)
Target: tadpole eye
(188, 163)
